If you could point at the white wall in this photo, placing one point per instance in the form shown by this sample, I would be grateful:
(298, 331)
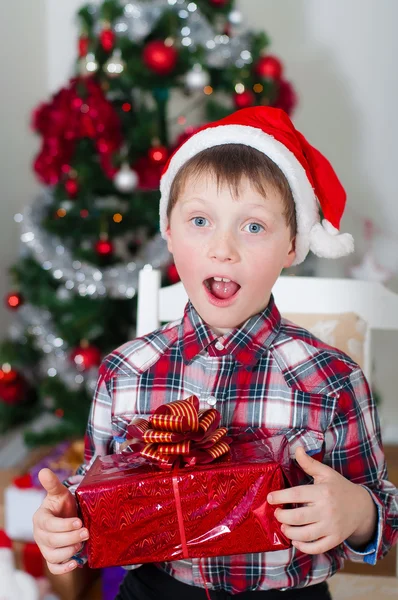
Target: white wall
(23, 79)
(62, 32)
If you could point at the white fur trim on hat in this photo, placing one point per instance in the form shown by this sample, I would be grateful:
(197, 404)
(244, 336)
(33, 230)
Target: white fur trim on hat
(328, 242)
(307, 211)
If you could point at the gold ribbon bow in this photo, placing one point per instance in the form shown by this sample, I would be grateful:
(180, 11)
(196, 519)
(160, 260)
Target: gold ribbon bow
(180, 431)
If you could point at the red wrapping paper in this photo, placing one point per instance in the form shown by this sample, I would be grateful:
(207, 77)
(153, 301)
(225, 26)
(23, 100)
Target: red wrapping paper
(138, 513)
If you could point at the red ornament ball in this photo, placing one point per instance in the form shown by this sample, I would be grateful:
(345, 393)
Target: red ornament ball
(86, 357)
(107, 39)
(14, 300)
(218, 2)
(13, 386)
(269, 67)
(158, 155)
(172, 274)
(159, 57)
(72, 188)
(104, 247)
(245, 99)
(287, 97)
(84, 43)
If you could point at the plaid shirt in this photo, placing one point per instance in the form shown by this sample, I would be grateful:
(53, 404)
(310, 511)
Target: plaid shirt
(272, 374)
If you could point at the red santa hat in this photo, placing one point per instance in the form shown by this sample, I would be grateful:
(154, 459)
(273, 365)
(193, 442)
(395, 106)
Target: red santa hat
(313, 182)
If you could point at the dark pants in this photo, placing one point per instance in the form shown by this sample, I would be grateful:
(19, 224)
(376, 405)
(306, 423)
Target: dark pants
(150, 583)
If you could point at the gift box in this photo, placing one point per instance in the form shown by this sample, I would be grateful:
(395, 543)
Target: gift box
(63, 460)
(137, 511)
(25, 494)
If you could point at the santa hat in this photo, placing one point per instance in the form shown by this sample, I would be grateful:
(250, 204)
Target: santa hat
(313, 182)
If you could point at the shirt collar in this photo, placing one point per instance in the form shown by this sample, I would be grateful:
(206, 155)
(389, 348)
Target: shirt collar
(246, 343)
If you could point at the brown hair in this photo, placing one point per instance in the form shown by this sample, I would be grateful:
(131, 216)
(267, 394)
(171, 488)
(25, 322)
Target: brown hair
(229, 163)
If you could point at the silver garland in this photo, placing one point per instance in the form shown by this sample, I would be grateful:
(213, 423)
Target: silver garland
(118, 281)
(56, 361)
(221, 51)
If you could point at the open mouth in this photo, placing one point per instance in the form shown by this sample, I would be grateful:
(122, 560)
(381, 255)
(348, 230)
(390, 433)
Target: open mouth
(221, 288)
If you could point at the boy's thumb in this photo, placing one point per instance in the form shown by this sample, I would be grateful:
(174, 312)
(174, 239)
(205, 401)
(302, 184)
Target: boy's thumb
(51, 483)
(311, 466)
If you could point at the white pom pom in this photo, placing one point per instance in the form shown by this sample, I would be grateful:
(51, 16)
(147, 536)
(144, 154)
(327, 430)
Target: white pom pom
(327, 242)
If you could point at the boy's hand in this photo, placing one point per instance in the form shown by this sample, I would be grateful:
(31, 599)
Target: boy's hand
(57, 531)
(333, 509)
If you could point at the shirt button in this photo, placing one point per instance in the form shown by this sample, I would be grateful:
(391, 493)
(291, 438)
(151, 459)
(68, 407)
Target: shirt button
(219, 346)
(211, 400)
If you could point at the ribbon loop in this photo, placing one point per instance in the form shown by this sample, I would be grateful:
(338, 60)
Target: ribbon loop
(179, 432)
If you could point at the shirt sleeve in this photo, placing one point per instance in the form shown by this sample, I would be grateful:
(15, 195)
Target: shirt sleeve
(354, 449)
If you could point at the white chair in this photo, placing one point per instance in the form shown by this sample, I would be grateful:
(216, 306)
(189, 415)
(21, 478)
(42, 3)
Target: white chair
(371, 301)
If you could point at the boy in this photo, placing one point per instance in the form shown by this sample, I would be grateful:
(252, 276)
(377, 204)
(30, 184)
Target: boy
(239, 202)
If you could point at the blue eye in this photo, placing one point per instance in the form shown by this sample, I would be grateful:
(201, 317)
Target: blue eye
(199, 221)
(255, 227)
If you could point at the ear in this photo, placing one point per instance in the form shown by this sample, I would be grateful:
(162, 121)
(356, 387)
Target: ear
(168, 239)
(291, 255)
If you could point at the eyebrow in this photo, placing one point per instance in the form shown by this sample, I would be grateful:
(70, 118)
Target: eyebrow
(186, 200)
(203, 201)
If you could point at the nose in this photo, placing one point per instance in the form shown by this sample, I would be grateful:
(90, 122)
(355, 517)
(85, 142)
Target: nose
(223, 247)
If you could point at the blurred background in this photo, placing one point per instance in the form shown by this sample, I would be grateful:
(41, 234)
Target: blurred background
(336, 62)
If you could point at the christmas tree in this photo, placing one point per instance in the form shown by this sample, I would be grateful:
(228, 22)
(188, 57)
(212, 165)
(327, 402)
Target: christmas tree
(143, 70)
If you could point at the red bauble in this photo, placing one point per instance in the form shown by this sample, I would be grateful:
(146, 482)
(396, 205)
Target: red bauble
(107, 39)
(287, 97)
(149, 173)
(158, 155)
(172, 274)
(86, 357)
(13, 387)
(84, 43)
(104, 247)
(269, 67)
(219, 2)
(72, 188)
(185, 135)
(14, 300)
(245, 99)
(159, 57)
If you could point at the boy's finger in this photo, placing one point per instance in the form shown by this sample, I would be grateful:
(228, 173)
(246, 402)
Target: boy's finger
(61, 540)
(46, 521)
(294, 495)
(51, 483)
(60, 555)
(63, 568)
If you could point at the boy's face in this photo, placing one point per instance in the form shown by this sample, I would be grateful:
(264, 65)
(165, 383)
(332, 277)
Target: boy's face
(244, 239)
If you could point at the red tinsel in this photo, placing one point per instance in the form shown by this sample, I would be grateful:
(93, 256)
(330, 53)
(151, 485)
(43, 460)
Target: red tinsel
(79, 111)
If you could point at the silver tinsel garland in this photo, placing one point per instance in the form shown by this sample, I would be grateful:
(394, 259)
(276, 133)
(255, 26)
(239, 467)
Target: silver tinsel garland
(221, 50)
(56, 361)
(118, 281)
